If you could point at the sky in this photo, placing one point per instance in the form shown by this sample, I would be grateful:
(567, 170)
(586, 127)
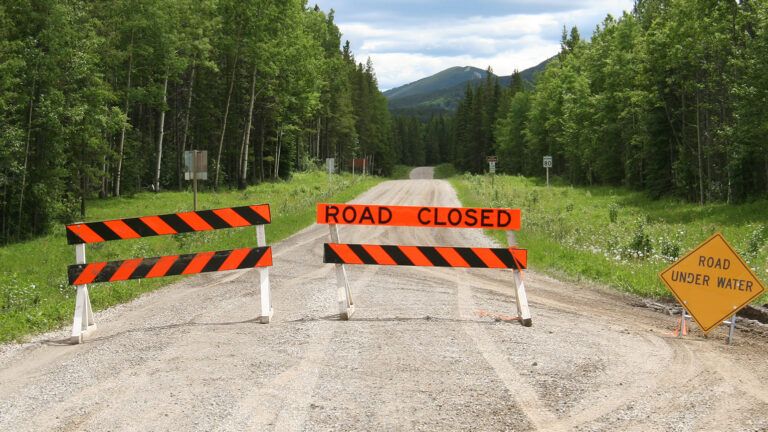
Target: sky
(412, 39)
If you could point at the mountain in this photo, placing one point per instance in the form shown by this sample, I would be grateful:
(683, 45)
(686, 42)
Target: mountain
(441, 92)
(439, 81)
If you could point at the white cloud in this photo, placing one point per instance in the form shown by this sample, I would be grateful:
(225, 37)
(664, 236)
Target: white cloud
(427, 40)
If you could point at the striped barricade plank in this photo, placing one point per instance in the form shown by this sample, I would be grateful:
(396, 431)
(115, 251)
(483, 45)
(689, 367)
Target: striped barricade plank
(416, 216)
(146, 268)
(426, 256)
(174, 223)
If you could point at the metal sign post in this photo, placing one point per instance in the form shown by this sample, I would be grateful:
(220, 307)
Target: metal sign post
(547, 165)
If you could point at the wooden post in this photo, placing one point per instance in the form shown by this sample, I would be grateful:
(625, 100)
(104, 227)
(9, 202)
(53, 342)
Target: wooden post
(266, 294)
(521, 299)
(83, 320)
(344, 294)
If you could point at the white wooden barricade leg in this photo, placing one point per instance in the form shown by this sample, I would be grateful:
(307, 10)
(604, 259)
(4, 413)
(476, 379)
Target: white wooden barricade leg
(344, 294)
(521, 299)
(83, 321)
(266, 294)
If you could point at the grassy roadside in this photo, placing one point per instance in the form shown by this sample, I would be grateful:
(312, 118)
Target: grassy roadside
(35, 297)
(401, 172)
(614, 236)
(445, 171)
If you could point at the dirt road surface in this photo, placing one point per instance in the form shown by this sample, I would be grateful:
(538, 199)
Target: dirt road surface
(424, 351)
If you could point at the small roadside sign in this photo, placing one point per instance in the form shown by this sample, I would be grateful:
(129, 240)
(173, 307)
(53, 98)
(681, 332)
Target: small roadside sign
(492, 167)
(547, 161)
(712, 282)
(195, 168)
(330, 164)
(196, 165)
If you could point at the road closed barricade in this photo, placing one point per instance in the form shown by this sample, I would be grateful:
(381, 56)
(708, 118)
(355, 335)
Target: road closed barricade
(342, 254)
(83, 273)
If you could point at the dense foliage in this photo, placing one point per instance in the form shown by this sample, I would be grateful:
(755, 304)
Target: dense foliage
(102, 99)
(671, 99)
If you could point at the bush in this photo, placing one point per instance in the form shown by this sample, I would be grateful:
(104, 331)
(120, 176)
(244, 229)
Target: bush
(640, 246)
(613, 212)
(757, 240)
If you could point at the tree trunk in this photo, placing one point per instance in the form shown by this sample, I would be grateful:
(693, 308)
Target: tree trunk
(243, 165)
(277, 152)
(224, 124)
(261, 151)
(162, 133)
(26, 157)
(104, 174)
(4, 231)
(186, 126)
(83, 188)
(698, 143)
(317, 144)
(122, 131)
(766, 171)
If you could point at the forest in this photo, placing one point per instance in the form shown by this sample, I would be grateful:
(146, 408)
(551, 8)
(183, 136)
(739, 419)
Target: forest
(670, 99)
(100, 99)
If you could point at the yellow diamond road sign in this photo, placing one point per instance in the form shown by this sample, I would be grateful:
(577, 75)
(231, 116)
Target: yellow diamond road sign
(712, 282)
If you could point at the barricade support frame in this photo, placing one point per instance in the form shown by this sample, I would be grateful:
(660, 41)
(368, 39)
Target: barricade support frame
(521, 298)
(83, 322)
(347, 306)
(344, 292)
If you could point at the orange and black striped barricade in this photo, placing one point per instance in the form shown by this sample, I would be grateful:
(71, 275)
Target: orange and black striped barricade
(422, 256)
(82, 274)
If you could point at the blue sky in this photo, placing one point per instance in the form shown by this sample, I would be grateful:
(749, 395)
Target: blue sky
(412, 39)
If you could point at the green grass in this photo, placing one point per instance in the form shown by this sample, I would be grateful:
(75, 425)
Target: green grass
(35, 297)
(444, 171)
(615, 236)
(401, 172)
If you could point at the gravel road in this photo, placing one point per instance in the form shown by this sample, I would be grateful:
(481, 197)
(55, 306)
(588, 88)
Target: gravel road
(425, 350)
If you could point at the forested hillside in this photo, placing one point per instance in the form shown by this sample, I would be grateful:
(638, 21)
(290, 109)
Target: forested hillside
(671, 98)
(101, 99)
(441, 93)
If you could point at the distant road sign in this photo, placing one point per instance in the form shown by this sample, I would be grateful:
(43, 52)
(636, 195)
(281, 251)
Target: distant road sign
(492, 167)
(712, 282)
(330, 164)
(547, 161)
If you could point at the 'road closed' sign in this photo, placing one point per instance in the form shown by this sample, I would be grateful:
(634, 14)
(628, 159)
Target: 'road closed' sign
(436, 217)
(712, 282)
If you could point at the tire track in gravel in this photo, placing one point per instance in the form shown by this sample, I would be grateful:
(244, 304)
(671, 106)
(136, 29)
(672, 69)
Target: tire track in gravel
(287, 396)
(518, 387)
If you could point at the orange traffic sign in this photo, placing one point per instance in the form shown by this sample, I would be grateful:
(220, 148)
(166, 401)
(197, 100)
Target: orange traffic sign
(712, 282)
(416, 216)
